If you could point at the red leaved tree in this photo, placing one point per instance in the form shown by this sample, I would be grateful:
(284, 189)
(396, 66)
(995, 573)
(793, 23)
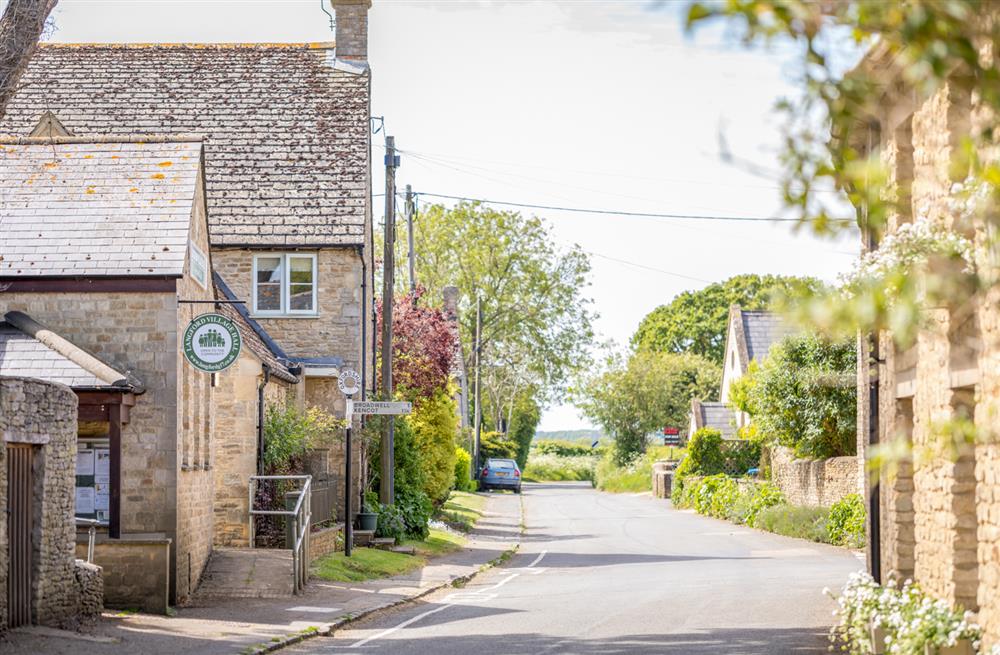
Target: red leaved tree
(424, 346)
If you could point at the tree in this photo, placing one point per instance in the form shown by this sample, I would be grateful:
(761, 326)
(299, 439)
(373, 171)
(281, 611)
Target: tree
(434, 422)
(804, 396)
(21, 26)
(651, 390)
(536, 323)
(695, 321)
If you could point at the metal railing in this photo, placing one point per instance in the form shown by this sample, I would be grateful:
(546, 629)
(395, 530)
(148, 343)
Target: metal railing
(91, 525)
(300, 517)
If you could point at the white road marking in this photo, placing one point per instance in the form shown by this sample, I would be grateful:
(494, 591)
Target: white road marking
(450, 601)
(317, 610)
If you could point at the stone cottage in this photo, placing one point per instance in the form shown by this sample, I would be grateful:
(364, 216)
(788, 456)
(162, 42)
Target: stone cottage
(936, 518)
(287, 171)
(105, 262)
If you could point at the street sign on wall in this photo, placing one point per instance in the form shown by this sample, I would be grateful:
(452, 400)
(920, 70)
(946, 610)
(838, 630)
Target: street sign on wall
(212, 343)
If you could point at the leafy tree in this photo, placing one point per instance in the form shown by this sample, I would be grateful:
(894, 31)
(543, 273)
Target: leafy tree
(21, 26)
(536, 323)
(803, 395)
(631, 398)
(695, 321)
(525, 417)
(424, 344)
(496, 444)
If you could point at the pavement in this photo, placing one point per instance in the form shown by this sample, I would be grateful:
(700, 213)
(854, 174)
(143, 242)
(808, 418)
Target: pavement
(250, 625)
(603, 574)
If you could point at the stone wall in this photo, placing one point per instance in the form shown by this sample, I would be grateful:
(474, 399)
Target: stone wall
(136, 571)
(44, 415)
(324, 542)
(813, 483)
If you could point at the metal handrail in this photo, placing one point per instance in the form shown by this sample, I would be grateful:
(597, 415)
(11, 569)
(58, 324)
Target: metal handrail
(301, 516)
(91, 535)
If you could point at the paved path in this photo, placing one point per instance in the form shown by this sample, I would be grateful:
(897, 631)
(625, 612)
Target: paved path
(617, 574)
(235, 626)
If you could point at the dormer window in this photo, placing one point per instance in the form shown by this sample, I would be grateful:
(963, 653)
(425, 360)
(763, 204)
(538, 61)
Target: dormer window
(284, 284)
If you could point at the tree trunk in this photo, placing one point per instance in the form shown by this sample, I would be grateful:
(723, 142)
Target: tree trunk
(20, 28)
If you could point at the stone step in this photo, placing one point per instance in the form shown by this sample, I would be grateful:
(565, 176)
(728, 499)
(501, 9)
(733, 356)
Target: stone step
(363, 537)
(405, 550)
(246, 573)
(383, 543)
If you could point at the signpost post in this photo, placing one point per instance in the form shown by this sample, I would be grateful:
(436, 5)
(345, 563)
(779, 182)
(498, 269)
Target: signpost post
(349, 383)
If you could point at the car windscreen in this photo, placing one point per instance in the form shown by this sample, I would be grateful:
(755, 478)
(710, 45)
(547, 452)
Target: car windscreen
(501, 464)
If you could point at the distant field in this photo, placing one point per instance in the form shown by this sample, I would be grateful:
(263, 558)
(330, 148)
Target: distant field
(583, 436)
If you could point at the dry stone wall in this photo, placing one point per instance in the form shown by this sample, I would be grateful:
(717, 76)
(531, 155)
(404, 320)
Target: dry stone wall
(44, 415)
(813, 483)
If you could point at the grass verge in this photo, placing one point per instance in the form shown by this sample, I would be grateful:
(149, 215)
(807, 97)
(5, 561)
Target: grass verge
(462, 510)
(437, 543)
(638, 476)
(365, 564)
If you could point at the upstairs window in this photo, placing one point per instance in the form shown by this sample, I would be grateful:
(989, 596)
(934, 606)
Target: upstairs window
(284, 284)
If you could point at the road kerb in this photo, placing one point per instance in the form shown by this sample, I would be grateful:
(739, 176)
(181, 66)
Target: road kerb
(328, 629)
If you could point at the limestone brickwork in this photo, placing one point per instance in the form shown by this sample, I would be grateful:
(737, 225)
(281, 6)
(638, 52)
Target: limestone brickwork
(813, 483)
(939, 504)
(136, 571)
(44, 415)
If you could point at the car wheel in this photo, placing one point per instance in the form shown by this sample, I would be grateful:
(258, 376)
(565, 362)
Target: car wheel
(518, 490)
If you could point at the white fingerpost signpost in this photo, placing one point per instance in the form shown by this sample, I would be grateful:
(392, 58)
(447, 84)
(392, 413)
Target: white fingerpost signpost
(349, 383)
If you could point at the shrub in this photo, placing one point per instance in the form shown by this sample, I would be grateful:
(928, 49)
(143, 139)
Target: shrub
(795, 521)
(496, 444)
(704, 454)
(415, 508)
(765, 495)
(846, 524)
(290, 432)
(561, 447)
(390, 522)
(559, 468)
(434, 422)
(463, 470)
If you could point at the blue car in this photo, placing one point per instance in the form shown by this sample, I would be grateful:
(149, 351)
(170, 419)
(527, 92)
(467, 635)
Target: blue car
(500, 474)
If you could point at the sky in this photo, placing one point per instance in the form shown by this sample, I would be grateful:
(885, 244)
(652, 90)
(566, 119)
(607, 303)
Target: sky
(592, 104)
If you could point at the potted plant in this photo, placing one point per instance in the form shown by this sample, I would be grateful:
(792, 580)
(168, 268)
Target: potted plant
(368, 516)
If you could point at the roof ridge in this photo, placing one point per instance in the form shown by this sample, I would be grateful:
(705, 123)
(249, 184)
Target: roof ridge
(222, 45)
(107, 138)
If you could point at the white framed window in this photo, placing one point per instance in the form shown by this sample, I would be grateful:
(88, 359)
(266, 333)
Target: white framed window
(284, 284)
(198, 265)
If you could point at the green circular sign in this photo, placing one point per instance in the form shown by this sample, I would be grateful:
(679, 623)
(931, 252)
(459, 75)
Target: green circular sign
(212, 343)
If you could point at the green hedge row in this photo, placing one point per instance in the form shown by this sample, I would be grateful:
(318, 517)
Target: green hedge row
(762, 505)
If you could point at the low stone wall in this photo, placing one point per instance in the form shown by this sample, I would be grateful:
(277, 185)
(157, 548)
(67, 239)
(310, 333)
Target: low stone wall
(90, 586)
(324, 542)
(136, 571)
(814, 483)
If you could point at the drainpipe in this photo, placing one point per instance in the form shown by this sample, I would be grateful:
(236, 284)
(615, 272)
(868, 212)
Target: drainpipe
(260, 418)
(874, 506)
(364, 310)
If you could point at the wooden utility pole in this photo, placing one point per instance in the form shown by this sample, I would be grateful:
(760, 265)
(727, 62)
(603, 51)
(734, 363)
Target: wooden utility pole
(478, 410)
(387, 486)
(410, 210)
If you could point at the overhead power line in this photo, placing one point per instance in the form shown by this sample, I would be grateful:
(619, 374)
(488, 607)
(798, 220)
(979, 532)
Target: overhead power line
(614, 212)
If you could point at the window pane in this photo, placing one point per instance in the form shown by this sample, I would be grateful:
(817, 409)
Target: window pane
(268, 297)
(268, 269)
(301, 270)
(301, 297)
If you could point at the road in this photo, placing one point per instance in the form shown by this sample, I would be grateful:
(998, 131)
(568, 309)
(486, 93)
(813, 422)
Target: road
(618, 574)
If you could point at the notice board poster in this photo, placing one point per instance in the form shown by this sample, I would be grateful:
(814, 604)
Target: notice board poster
(93, 480)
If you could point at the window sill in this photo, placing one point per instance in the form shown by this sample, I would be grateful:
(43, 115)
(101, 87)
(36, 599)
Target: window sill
(282, 316)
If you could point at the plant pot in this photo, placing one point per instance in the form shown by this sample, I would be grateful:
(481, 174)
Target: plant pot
(963, 647)
(367, 521)
(878, 639)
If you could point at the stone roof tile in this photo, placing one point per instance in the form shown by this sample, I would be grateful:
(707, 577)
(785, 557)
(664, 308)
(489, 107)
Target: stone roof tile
(285, 130)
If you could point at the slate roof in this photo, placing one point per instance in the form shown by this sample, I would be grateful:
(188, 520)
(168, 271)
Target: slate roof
(286, 126)
(763, 329)
(717, 416)
(24, 355)
(122, 206)
(255, 337)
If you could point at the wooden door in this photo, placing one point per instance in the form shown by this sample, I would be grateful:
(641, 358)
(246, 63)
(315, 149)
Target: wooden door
(20, 526)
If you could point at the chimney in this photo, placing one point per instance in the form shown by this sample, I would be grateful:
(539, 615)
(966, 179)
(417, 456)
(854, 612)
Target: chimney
(450, 297)
(351, 38)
